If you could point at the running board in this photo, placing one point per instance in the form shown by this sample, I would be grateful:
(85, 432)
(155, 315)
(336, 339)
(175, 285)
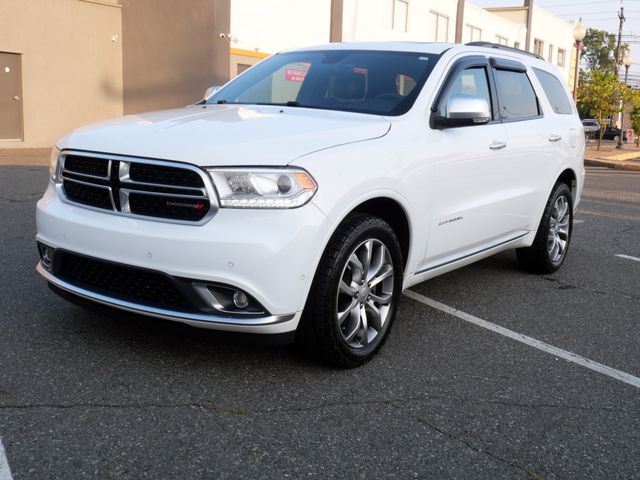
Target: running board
(480, 249)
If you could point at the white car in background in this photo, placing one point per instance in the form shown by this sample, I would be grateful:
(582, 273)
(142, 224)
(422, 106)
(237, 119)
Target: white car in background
(301, 198)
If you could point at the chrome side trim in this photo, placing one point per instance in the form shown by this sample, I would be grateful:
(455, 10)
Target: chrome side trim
(184, 317)
(443, 261)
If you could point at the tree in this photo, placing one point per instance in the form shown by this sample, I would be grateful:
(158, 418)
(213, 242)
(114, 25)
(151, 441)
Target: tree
(600, 50)
(600, 93)
(634, 116)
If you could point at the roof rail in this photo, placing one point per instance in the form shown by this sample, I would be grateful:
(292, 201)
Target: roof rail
(502, 47)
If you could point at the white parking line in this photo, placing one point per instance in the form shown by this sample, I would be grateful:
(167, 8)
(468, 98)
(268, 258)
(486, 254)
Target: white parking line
(532, 342)
(5, 471)
(627, 257)
(576, 221)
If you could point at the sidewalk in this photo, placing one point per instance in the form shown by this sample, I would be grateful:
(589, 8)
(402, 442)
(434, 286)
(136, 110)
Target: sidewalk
(609, 156)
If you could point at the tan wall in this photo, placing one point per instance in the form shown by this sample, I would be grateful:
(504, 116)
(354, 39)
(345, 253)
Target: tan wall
(239, 58)
(71, 67)
(173, 51)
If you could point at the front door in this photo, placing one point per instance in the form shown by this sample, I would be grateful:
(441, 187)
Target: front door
(471, 201)
(10, 97)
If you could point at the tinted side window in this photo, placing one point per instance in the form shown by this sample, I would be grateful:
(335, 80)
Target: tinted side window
(516, 95)
(473, 82)
(554, 91)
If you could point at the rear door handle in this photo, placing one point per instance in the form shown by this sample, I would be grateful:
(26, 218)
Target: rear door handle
(497, 145)
(554, 138)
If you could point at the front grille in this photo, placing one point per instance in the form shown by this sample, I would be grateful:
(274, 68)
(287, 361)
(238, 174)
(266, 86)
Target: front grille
(178, 208)
(86, 194)
(137, 285)
(148, 173)
(96, 167)
(132, 187)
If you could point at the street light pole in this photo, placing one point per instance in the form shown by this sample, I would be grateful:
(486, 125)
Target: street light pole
(579, 32)
(627, 61)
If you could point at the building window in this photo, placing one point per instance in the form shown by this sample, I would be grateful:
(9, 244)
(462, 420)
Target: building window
(440, 26)
(472, 34)
(502, 40)
(538, 46)
(561, 57)
(550, 54)
(516, 44)
(400, 15)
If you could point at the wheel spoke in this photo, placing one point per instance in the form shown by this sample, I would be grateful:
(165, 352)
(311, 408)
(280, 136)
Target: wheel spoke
(357, 269)
(347, 289)
(377, 262)
(355, 328)
(554, 249)
(342, 316)
(367, 253)
(374, 317)
(382, 299)
(563, 208)
(385, 272)
(364, 326)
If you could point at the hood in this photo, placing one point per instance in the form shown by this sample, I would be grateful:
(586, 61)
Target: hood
(227, 135)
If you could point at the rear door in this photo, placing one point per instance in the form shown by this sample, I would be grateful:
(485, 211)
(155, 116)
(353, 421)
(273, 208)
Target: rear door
(535, 144)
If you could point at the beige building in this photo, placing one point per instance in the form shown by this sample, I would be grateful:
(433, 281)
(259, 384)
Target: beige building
(66, 63)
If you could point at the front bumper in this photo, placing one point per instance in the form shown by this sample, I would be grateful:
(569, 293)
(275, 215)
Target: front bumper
(270, 254)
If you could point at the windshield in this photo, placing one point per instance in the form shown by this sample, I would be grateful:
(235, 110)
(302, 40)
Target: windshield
(383, 83)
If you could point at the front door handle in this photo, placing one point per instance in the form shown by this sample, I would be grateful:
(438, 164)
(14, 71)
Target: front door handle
(16, 98)
(497, 145)
(554, 138)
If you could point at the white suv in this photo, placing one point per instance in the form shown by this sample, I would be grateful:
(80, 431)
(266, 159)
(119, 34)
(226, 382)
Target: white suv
(301, 198)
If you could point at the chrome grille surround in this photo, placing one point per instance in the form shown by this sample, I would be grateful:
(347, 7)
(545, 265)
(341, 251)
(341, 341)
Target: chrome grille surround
(119, 174)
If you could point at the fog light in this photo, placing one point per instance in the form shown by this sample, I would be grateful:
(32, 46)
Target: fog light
(46, 255)
(240, 300)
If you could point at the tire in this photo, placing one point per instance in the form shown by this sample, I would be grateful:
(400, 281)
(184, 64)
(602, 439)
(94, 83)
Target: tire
(551, 244)
(339, 303)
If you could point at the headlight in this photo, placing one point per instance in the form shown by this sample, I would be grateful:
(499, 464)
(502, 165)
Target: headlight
(53, 162)
(263, 187)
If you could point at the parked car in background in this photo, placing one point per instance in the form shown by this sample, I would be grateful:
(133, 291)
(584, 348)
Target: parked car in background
(303, 197)
(613, 133)
(590, 125)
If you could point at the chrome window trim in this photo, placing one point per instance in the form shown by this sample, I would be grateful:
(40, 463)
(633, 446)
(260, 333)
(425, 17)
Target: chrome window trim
(208, 192)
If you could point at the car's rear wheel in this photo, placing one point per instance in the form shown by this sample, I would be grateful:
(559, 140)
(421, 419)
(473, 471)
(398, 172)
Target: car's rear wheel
(355, 292)
(550, 246)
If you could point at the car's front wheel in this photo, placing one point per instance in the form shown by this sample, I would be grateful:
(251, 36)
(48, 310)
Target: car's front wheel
(355, 292)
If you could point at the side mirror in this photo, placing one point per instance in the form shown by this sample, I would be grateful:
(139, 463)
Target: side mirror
(463, 111)
(211, 90)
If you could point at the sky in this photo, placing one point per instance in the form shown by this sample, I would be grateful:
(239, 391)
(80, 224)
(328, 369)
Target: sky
(600, 14)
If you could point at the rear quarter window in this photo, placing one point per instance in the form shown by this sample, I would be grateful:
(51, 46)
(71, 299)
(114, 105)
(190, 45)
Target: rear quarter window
(555, 93)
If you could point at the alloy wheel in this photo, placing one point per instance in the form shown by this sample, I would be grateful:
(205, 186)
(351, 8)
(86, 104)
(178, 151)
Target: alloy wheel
(558, 237)
(365, 293)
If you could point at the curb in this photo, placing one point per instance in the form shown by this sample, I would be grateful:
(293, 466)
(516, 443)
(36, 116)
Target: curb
(592, 162)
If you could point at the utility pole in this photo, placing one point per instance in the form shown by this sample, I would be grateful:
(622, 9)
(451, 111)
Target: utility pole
(618, 57)
(622, 19)
(336, 16)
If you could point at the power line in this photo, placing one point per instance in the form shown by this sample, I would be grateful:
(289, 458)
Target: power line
(581, 3)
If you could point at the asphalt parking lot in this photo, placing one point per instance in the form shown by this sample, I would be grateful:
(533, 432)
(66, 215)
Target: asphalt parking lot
(89, 396)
